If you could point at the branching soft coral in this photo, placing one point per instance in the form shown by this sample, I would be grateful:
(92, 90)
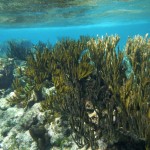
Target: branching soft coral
(93, 92)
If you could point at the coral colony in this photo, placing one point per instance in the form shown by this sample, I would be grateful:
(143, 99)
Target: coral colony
(100, 91)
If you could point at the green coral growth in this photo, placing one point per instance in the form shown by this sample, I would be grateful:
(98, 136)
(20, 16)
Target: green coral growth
(99, 90)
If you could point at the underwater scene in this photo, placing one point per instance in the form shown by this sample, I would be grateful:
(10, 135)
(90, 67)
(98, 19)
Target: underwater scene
(75, 75)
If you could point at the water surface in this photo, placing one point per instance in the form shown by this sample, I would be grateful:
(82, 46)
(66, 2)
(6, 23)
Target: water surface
(52, 13)
(52, 19)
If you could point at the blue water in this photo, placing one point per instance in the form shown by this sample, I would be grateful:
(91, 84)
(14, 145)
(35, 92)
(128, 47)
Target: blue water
(51, 22)
(56, 33)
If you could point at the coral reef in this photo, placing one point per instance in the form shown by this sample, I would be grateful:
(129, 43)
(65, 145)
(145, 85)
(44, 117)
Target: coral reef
(31, 79)
(19, 49)
(41, 46)
(6, 73)
(19, 126)
(100, 91)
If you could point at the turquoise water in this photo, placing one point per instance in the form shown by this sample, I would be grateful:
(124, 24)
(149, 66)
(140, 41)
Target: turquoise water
(31, 21)
(51, 20)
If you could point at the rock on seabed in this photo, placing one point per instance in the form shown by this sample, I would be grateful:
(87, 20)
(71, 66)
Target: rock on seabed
(14, 129)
